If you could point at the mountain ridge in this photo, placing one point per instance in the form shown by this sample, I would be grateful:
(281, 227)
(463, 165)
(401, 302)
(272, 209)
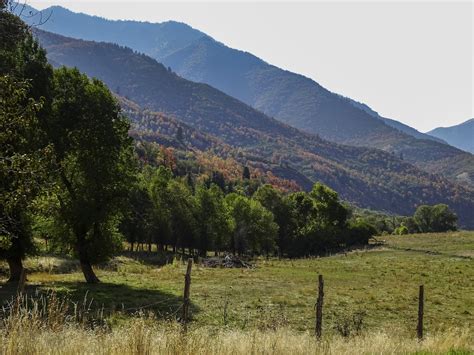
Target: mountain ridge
(367, 177)
(291, 98)
(460, 135)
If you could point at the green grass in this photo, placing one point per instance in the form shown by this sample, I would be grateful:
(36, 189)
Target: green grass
(382, 282)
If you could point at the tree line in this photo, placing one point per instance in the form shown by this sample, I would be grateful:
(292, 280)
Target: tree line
(175, 212)
(426, 219)
(70, 174)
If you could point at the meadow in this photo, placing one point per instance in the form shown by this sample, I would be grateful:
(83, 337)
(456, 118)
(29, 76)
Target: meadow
(371, 299)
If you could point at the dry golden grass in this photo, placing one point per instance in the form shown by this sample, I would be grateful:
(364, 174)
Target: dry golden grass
(47, 326)
(141, 336)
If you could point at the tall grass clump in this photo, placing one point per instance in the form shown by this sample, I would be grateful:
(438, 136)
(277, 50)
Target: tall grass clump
(50, 325)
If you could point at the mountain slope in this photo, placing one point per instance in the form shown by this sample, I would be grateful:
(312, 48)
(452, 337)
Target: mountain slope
(460, 136)
(303, 103)
(289, 97)
(366, 177)
(156, 39)
(395, 124)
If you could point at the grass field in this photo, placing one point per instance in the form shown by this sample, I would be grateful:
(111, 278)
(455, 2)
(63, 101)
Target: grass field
(377, 286)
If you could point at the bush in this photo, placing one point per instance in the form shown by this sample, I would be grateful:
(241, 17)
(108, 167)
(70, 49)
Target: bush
(401, 230)
(359, 233)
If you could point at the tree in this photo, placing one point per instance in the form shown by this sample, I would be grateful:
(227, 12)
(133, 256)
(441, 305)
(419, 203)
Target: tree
(137, 221)
(213, 218)
(423, 218)
(254, 228)
(180, 134)
(182, 214)
(359, 233)
(157, 182)
(218, 179)
(274, 201)
(246, 173)
(444, 219)
(93, 159)
(24, 97)
(437, 218)
(329, 210)
(303, 222)
(21, 171)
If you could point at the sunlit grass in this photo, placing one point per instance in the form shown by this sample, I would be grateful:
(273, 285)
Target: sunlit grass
(381, 282)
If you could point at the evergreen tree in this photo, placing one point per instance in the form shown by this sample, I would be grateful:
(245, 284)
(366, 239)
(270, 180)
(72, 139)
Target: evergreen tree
(179, 134)
(246, 173)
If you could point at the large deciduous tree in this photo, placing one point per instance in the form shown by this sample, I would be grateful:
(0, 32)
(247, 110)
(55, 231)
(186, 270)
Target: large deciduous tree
(214, 224)
(437, 218)
(24, 99)
(21, 171)
(93, 160)
(274, 201)
(254, 228)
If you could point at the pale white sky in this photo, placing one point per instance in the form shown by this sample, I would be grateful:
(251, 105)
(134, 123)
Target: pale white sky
(410, 61)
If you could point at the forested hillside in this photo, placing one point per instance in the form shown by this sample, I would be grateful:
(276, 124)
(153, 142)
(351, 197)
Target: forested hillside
(303, 103)
(366, 177)
(289, 97)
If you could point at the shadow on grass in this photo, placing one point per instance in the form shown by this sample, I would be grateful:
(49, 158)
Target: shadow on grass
(106, 298)
(154, 258)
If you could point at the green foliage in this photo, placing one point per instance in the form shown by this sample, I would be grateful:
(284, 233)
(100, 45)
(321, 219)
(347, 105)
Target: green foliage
(24, 74)
(254, 228)
(136, 226)
(182, 214)
(330, 211)
(93, 161)
(215, 225)
(19, 165)
(401, 230)
(275, 202)
(318, 222)
(437, 218)
(359, 233)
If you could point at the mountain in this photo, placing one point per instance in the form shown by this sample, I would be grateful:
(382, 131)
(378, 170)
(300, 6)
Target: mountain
(289, 97)
(157, 40)
(395, 124)
(366, 177)
(460, 136)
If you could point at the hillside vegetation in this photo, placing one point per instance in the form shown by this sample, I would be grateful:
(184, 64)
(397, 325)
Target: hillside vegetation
(289, 97)
(366, 177)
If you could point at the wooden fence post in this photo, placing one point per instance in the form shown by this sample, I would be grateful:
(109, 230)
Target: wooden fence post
(421, 304)
(187, 287)
(319, 307)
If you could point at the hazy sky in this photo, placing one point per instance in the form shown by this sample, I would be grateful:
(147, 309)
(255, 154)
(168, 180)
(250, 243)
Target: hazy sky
(410, 61)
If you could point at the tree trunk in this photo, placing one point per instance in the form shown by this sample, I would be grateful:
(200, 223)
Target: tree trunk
(131, 246)
(89, 274)
(16, 269)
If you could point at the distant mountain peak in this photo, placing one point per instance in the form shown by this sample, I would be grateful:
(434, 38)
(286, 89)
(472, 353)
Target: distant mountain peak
(460, 136)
